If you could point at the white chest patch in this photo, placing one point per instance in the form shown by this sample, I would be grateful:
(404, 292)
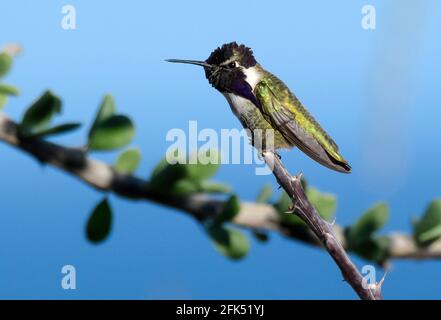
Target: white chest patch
(252, 76)
(240, 106)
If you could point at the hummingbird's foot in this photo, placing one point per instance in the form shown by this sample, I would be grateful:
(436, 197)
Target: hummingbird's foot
(263, 152)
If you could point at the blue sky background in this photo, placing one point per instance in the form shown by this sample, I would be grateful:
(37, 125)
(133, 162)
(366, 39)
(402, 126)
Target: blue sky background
(376, 92)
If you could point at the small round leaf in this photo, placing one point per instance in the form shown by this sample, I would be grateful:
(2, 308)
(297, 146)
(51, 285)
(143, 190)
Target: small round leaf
(3, 100)
(100, 222)
(128, 161)
(5, 63)
(9, 90)
(428, 229)
(324, 203)
(230, 242)
(229, 211)
(371, 221)
(106, 109)
(112, 133)
(207, 169)
(39, 115)
(59, 129)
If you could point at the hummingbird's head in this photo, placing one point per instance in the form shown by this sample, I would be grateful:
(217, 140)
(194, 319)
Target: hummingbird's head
(230, 69)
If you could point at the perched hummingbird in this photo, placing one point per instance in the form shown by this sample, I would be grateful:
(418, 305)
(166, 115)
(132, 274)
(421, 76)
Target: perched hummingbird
(261, 101)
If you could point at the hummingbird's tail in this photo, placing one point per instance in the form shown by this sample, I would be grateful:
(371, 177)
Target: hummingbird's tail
(337, 165)
(343, 167)
(325, 158)
(315, 151)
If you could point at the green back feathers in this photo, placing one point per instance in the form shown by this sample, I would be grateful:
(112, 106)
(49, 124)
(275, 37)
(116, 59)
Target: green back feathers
(287, 114)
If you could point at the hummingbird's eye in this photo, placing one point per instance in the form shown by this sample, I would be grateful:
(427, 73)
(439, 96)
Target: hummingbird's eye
(232, 65)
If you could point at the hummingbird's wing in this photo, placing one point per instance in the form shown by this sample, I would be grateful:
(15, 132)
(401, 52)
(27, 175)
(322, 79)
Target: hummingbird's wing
(286, 113)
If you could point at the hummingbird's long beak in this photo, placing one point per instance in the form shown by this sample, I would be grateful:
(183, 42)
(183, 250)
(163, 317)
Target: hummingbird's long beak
(195, 62)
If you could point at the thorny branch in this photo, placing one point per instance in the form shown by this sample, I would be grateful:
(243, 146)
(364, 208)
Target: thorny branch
(322, 229)
(253, 216)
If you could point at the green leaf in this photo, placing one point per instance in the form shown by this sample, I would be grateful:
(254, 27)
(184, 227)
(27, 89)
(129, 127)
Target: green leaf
(100, 222)
(265, 194)
(371, 221)
(183, 178)
(430, 235)
(213, 187)
(428, 229)
(200, 172)
(113, 132)
(229, 211)
(165, 175)
(59, 129)
(159, 168)
(5, 63)
(375, 249)
(230, 242)
(9, 90)
(3, 100)
(38, 116)
(184, 186)
(128, 161)
(106, 110)
(324, 203)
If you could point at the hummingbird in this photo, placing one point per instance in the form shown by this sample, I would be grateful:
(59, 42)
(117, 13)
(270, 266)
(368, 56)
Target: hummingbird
(261, 101)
